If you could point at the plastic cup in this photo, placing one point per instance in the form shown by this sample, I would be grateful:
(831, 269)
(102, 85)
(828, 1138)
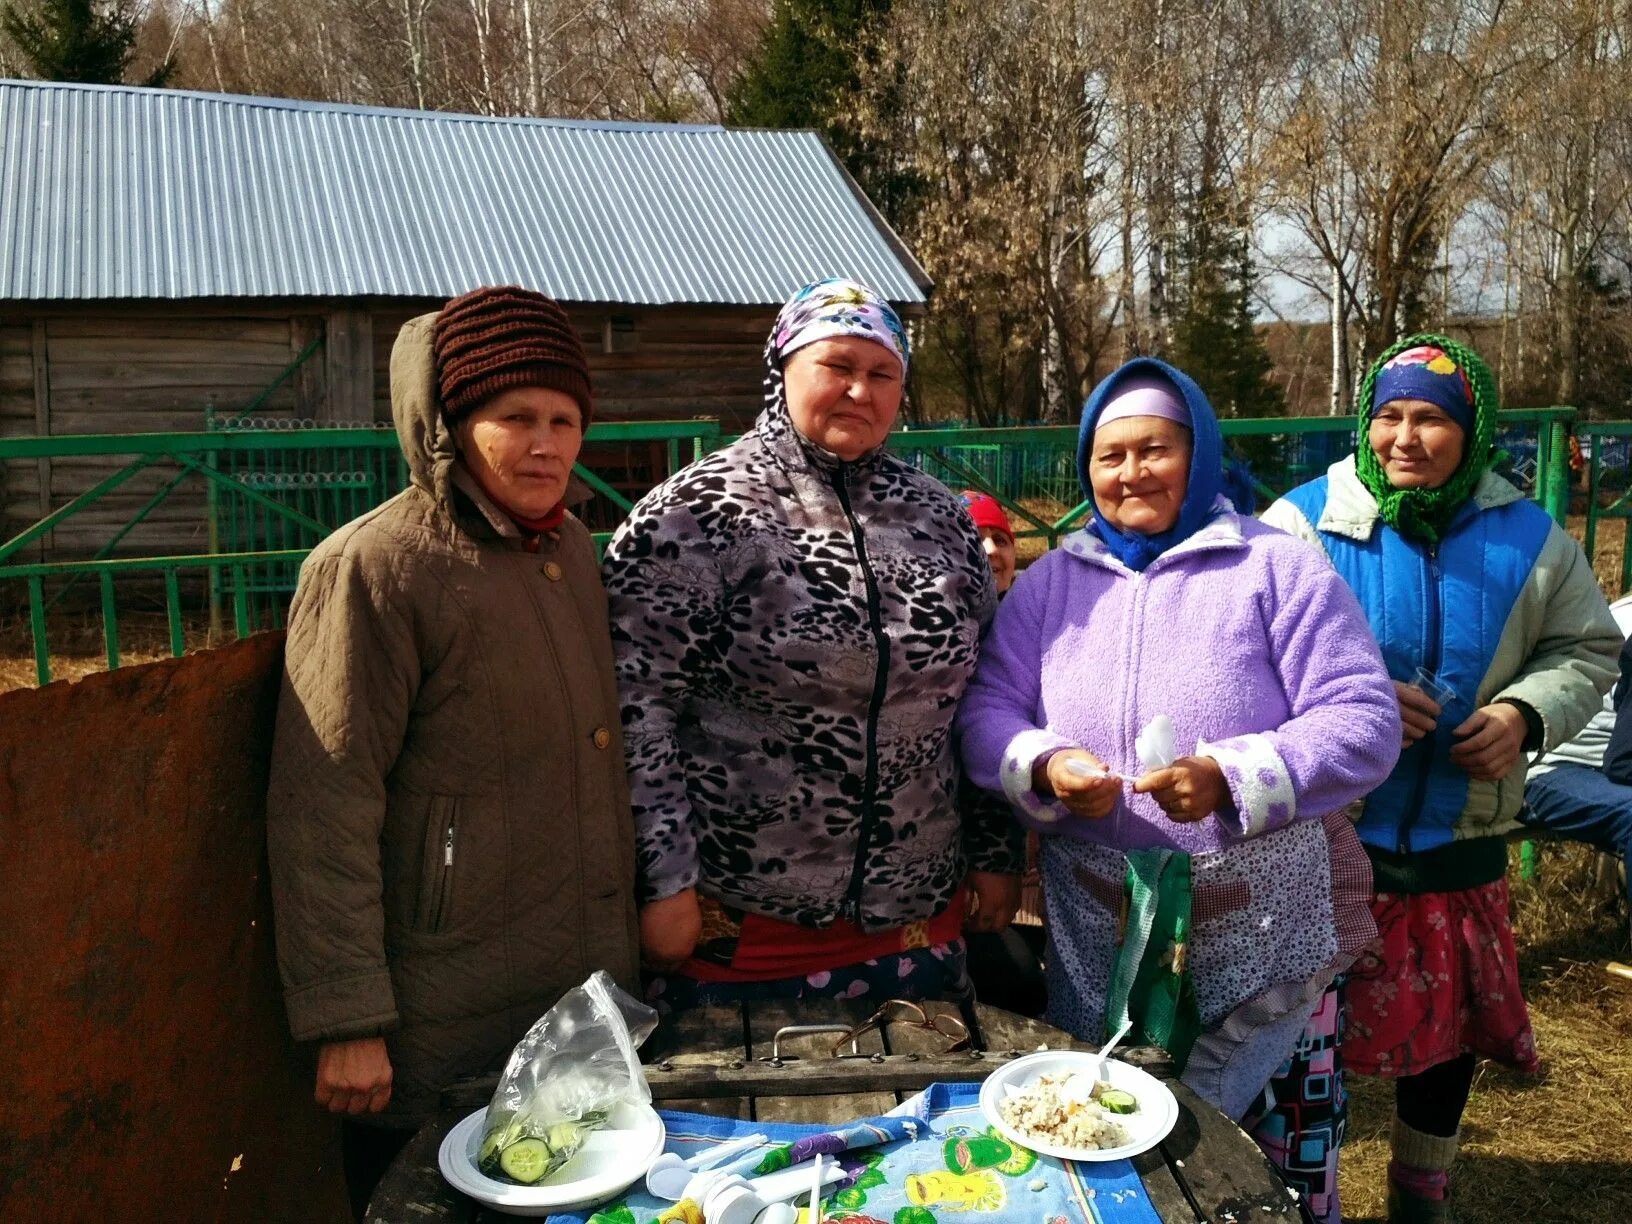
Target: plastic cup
(1431, 684)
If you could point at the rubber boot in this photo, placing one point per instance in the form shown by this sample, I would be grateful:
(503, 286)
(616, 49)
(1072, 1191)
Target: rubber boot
(1419, 1176)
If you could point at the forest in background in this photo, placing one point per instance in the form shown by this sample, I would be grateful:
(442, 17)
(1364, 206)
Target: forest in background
(1084, 181)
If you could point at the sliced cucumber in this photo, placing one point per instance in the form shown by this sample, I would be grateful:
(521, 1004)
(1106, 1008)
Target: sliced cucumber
(525, 1160)
(1116, 1101)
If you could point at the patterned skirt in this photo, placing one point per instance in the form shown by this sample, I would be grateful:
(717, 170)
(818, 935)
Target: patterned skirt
(1443, 981)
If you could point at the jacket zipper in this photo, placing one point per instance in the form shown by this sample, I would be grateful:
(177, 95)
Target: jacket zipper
(444, 881)
(881, 641)
(1130, 725)
(1425, 746)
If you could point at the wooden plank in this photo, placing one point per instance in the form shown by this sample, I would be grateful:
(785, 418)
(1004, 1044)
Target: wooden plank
(1220, 1168)
(348, 365)
(764, 1019)
(678, 356)
(42, 426)
(713, 1035)
(170, 308)
(1009, 1032)
(678, 322)
(688, 408)
(308, 388)
(137, 345)
(92, 375)
(130, 408)
(416, 1190)
(673, 381)
(1163, 1189)
(243, 328)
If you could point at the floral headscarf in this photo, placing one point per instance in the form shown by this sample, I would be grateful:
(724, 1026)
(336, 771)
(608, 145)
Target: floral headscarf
(1425, 514)
(838, 307)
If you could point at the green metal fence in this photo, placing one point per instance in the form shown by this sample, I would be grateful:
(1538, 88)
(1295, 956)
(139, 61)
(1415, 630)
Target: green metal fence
(272, 493)
(1032, 470)
(1607, 447)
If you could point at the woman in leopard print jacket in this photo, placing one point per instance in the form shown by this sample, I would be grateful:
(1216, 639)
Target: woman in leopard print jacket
(795, 618)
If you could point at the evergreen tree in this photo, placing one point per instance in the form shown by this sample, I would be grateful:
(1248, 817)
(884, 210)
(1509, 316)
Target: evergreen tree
(1214, 338)
(804, 69)
(79, 40)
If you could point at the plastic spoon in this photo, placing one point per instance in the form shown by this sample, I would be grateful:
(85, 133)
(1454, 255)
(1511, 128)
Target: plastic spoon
(669, 1174)
(1105, 1051)
(816, 1192)
(1079, 768)
(726, 1198)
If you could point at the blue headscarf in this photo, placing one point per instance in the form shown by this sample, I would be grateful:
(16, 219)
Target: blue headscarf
(1132, 548)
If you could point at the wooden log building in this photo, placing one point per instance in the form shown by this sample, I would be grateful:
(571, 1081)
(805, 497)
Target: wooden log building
(166, 256)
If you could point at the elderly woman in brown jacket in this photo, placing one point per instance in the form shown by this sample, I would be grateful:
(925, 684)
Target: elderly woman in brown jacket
(448, 817)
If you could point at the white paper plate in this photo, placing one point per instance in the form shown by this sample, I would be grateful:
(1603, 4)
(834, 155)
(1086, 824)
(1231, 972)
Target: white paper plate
(611, 1160)
(1158, 1108)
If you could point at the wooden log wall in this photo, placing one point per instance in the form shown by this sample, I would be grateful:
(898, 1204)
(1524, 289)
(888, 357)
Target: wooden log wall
(675, 364)
(685, 361)
(161, 366)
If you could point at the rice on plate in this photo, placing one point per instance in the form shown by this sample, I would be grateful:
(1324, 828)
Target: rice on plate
(1062, 1110)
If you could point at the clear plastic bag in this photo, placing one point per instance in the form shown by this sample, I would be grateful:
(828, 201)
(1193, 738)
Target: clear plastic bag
(563, 1080)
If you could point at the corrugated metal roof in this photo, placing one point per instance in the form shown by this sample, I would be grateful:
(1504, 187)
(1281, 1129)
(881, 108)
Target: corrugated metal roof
(121, 192)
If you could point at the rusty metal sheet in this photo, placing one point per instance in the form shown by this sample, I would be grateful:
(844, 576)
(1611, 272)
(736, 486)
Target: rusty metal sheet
(146, 1071)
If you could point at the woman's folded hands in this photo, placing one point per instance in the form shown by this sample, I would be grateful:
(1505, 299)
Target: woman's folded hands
(1190, 789)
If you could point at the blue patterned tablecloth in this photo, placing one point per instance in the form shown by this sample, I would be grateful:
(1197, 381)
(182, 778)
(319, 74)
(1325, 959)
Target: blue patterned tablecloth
(933, 1159)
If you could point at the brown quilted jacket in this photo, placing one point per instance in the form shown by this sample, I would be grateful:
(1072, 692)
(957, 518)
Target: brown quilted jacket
(448, 817)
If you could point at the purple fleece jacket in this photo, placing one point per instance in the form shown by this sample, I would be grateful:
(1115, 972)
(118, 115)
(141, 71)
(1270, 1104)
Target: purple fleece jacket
(1245, 637)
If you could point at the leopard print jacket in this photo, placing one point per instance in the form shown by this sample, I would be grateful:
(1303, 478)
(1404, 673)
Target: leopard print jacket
(793, 634)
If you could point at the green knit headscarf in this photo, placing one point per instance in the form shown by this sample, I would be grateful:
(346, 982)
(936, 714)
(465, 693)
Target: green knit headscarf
(1425, 513)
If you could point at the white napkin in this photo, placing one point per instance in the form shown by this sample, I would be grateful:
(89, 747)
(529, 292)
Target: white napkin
(1157, 744)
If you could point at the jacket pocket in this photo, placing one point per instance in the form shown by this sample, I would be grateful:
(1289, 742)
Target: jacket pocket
(435, 905)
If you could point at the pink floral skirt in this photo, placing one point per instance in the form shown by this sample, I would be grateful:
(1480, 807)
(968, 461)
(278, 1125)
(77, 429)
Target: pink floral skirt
(1441, 981)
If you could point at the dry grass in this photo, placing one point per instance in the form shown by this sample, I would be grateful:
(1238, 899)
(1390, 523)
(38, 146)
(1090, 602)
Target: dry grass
(1611, 544)
(77, 648)
(1557, 1147)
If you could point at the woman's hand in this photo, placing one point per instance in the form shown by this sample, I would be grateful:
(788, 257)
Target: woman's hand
(1419, 713)
(1491, 741)
(1190, 789)
(1091, 797)
(996, 896)
(354, 1077)
(670, 929)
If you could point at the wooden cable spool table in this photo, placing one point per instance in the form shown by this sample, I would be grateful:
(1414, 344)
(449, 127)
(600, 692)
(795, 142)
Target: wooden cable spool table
(752, 1061)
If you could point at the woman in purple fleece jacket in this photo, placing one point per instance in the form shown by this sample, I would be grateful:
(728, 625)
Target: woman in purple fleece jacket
(1212, 901)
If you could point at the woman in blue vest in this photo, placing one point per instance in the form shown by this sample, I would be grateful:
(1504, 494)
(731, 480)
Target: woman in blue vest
(1500, 645)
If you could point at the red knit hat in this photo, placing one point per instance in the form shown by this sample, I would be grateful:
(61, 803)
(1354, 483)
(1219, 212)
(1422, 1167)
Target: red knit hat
(502, 336)
(987, 511)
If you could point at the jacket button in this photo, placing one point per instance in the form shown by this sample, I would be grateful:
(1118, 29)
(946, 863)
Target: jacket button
(602, 737)
(552, 571)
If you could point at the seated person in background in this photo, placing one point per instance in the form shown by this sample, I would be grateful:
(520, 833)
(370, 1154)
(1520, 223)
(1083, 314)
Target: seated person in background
(1006, 966)
(1583, 788)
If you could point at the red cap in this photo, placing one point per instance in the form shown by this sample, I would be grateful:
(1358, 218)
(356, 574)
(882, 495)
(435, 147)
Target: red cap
(987, 511)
